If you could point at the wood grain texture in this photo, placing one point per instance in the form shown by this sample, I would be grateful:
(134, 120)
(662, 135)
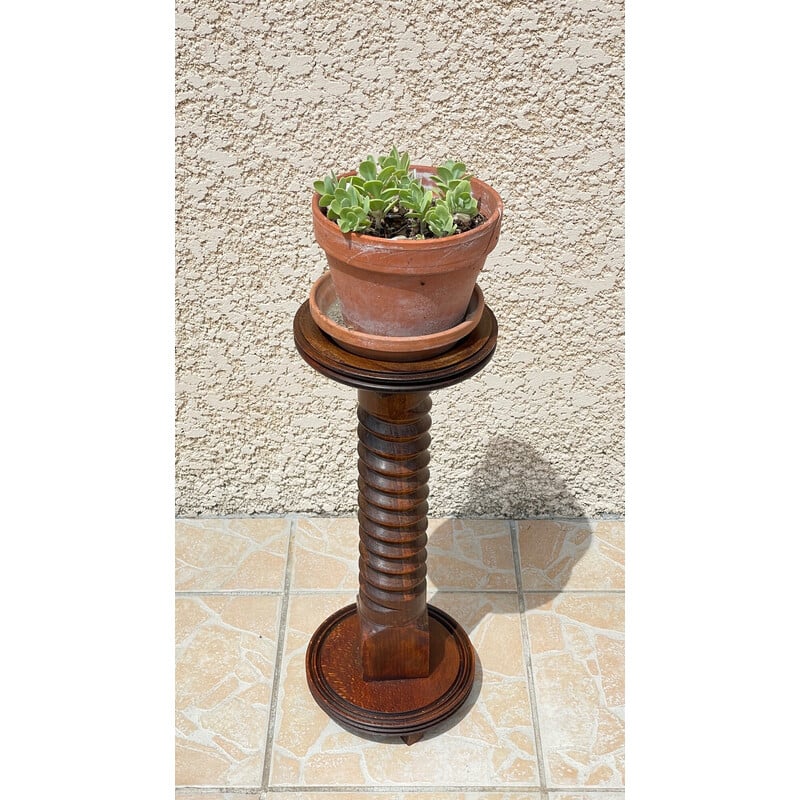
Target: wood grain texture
(392, 514)
(466, 358)
(406, 707)
(391, 664)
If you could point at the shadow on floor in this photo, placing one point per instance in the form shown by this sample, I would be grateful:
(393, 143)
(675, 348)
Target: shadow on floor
(513, 482)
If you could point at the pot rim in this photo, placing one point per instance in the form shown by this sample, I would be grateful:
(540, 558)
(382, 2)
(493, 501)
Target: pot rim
(435, 243)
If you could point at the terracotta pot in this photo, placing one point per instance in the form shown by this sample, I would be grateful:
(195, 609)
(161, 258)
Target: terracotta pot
(408, 287)
(323, 304)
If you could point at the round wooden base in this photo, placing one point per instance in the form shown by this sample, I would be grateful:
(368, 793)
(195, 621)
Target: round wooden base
(406, 707)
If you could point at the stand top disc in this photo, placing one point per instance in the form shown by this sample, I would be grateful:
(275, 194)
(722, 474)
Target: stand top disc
(464, 360)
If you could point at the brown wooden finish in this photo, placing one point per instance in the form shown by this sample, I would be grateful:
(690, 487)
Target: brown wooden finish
(391, 665)
(406, 707)
(392, 464)
(466, 358)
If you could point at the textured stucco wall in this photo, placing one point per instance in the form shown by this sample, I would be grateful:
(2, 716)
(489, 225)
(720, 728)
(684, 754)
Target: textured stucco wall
(272, 95)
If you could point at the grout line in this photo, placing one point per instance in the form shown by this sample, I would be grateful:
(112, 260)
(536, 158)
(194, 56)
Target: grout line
(291, 517)
(432, 591)
(276, 683)
(229, 592)
(214, 790)
(573, 591)
(526, 647)
(555, 794)
(412, 789)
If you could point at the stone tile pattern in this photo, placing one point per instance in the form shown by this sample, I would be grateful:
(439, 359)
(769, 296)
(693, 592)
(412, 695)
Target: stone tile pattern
(542, 601)
(574, 554)
(225, 664)
(402, 795)
(230, 553)
(182, 794)
(491, 744)
(462, 555)
(577, 652)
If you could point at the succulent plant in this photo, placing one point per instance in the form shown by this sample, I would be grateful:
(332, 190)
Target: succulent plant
(440, 220)
(386, 190)
(450, 174)
(460, 201)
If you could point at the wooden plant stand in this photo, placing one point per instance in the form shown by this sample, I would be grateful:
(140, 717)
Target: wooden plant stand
(390, 664)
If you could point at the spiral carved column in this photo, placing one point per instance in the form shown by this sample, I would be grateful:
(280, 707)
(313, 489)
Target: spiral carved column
(388, 664)
(393, 473)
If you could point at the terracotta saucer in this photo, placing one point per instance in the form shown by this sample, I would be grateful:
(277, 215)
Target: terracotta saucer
(326, 312)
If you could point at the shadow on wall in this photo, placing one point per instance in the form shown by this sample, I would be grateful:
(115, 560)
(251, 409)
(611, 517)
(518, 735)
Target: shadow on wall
(548, 548)
(515, 482)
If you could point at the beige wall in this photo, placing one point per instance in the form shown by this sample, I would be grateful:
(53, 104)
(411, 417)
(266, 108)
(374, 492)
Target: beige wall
(272, 95)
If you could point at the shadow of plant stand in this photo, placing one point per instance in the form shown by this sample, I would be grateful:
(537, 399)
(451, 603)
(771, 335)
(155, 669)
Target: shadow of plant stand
(390, 664)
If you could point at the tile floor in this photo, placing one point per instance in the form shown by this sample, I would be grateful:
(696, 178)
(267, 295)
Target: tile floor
(542, 602)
